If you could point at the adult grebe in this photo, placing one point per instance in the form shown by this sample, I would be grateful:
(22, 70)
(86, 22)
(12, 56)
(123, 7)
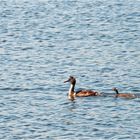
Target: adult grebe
(125, 95)
(81, 93)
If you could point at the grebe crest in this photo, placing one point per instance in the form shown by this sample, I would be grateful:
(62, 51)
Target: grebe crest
(71, 79)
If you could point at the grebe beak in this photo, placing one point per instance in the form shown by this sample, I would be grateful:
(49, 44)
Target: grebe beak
(67, 81)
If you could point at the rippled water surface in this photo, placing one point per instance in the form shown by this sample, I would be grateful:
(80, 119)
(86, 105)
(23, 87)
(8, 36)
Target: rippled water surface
(42, 42)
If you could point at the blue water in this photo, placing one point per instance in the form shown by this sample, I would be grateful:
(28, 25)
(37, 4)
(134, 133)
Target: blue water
(42, 42)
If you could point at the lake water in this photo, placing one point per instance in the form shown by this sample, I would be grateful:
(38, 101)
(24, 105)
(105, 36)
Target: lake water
(42, 42)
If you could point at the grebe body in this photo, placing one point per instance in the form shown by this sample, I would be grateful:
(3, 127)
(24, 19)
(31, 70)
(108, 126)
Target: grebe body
(81, 93)
(124, 95)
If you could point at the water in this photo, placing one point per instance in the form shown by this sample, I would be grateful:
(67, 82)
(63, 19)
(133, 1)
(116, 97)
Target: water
(42, 42)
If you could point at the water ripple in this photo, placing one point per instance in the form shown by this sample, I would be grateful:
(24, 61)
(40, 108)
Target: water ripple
(42, 43)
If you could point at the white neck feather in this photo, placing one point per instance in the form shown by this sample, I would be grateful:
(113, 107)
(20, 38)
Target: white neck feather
(70, 89)
(71, 92)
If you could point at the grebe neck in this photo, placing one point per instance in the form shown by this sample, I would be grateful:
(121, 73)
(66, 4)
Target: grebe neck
(117, 91)
(71, 88)
(71, 92)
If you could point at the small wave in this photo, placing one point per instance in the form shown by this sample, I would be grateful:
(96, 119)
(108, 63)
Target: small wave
(22, 89)
(2, 51)
(27, 48)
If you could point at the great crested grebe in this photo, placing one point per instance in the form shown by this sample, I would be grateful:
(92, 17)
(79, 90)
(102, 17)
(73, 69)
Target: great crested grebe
(125, 95)
(81, 93)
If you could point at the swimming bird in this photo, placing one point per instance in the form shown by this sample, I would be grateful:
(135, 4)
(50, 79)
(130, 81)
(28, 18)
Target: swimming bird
(81, 93)
(125, 95)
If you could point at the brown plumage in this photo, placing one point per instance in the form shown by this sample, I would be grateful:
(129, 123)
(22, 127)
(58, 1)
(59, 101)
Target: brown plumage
(81, 93)
(85, 93)
(124, 95)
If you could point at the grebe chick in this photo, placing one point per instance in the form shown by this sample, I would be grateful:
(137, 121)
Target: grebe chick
(81, 93)
(124, 95)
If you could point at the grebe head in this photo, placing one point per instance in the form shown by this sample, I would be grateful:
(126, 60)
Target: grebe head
(71, 79)
(116, 90)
